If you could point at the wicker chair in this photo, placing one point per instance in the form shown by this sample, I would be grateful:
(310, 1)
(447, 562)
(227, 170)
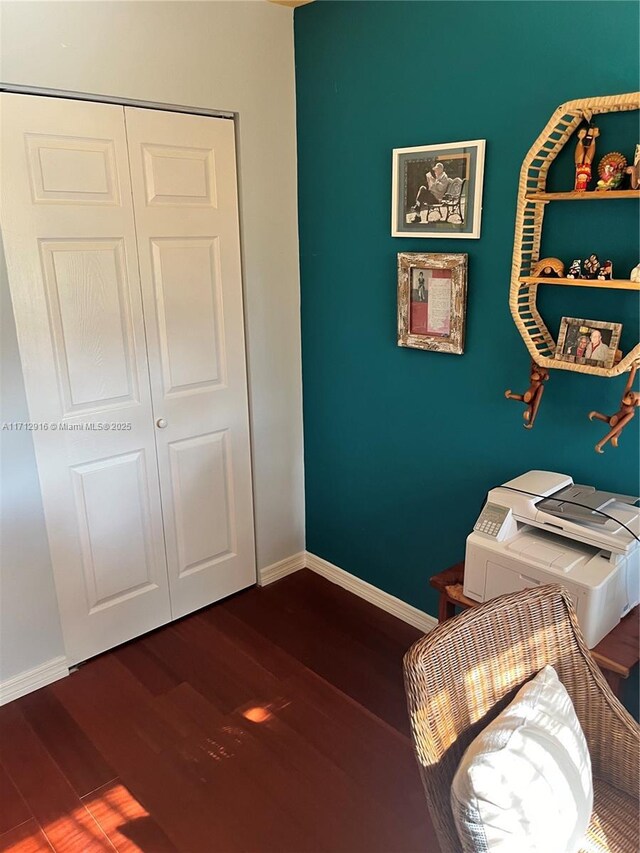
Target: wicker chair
(461, 675)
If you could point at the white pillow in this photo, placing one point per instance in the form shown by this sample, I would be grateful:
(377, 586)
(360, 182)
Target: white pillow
(524, 785)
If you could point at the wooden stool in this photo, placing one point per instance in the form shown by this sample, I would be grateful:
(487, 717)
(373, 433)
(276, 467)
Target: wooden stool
(616, 654)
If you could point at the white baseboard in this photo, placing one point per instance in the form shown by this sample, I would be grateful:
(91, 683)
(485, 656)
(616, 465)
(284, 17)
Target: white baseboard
(281, 569)
(32, 679)
(418, 618)
(52, 670)
(389, 603)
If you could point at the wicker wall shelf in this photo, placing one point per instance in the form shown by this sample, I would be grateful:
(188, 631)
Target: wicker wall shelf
(528, 232)
(532, 202)
(611, 284)
(583, 196)
(624, 365)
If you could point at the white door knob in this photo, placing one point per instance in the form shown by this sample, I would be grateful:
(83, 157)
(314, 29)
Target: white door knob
(161, 423)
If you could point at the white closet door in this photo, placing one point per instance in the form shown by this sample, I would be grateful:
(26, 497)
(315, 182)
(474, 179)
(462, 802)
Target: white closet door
(70, 243)
(186, 210)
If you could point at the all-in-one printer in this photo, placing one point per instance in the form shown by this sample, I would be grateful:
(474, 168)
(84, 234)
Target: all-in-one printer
(542, 528)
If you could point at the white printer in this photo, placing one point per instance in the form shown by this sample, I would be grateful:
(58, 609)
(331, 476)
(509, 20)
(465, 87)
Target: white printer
(542, 528)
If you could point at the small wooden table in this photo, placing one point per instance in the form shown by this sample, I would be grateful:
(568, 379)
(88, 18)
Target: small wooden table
(616, 654)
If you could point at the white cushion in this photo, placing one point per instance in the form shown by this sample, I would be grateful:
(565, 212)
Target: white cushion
(524, 785)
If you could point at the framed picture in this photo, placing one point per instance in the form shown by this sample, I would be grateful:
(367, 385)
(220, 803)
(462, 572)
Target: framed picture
(588, 341)
(432, 296)
(437, 190)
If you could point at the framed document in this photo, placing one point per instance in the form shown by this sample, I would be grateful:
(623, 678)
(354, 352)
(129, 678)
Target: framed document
(432, 296)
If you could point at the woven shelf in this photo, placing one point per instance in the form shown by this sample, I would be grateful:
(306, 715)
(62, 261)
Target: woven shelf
(583, 196)
(532, 199)
(622, 366)
(612, 284)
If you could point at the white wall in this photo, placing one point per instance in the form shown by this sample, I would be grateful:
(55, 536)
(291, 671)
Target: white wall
(235, 56)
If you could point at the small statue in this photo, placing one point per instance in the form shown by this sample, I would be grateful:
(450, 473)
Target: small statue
(575, 270)
(628, 404)
(606, 271)
(583, 177)
(548, 268)
(634, 171)
(611, 170)
(532, 397)
(591, 267)
(585, 152)
(635, 273)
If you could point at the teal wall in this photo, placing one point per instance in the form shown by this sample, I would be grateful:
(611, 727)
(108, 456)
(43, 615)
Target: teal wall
(402, 445)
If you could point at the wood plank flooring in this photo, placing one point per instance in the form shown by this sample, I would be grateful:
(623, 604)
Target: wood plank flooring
(272, 722)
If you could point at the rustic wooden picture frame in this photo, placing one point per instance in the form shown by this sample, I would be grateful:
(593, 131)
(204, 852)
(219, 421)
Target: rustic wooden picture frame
(449, 312)
(567, 324)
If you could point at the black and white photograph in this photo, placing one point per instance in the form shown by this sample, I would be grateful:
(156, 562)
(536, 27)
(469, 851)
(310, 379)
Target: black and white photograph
(437, 190)
(591, 342)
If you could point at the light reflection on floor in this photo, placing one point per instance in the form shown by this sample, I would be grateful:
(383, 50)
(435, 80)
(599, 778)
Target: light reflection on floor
(111, 808)
(112, 817)
(257, 715)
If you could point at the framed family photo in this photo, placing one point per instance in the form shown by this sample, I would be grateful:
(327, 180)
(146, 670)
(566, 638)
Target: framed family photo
(591, 342)
(432, 296)
(437, 190)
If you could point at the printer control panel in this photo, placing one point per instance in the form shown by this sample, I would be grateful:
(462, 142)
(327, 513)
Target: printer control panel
(492, 519)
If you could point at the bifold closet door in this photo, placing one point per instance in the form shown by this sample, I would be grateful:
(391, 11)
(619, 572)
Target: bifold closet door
(71, 252)
(184, 183)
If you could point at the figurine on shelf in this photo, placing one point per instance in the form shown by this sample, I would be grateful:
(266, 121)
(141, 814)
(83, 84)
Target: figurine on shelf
(575, 270)
(635, 273)
(628, 404)
(583, 177)
(585, 152)
(611, 170)
(591, 267)
(606, 271)
(634, 171)
(548, 268)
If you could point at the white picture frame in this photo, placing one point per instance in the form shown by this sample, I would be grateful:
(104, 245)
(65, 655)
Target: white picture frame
(436, 190)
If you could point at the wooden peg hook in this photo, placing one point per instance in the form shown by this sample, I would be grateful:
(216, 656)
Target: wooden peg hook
(533, 395)
(618, 421)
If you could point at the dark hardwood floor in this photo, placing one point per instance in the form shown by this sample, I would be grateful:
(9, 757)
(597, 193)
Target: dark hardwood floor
(272, 722)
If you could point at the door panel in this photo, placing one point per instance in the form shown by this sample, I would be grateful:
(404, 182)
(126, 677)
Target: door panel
(72, 258)
(73, 170)
(117, 547)
(186, 278)
(179, 175)
(185, 202)
(89, 307)
(202, 476)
